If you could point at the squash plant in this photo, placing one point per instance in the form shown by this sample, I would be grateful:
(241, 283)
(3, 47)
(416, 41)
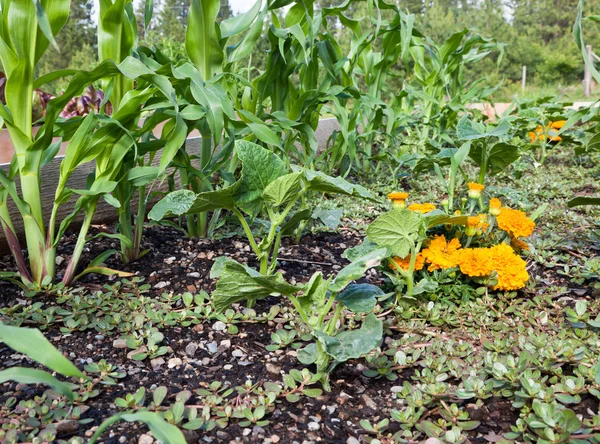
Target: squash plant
(265, 184)
(319, 304)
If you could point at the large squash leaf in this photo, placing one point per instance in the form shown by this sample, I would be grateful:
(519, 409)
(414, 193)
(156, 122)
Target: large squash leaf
(239, 282)
(397, 230)
(353, 344)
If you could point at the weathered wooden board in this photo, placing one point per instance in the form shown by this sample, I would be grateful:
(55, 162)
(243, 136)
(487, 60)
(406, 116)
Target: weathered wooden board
(106, 213)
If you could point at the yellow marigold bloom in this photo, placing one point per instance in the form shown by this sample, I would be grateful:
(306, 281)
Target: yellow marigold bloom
(472, 222)
(398, 195)
(474, 262)
(404, 263)
(495, 206)
(422, 208)
(538, 134)
(440, 253)
(532, 137)
(515, 222)
(475, 190)
(398, 198)
(511, 269)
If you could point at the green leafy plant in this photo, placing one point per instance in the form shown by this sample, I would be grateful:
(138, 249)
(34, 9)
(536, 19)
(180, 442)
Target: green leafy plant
(319, 304)
(33, 344)
(489, 148)
(265, 184)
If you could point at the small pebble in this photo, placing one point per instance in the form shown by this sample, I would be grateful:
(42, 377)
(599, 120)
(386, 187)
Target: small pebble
(219, 326)
(119, 343)
(174, 362)
(313, 426)
(145, 439)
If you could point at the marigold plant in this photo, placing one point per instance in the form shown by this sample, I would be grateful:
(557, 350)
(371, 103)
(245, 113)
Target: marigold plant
(480, 240)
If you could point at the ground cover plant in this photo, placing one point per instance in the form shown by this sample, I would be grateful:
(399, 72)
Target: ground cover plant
(450, 293)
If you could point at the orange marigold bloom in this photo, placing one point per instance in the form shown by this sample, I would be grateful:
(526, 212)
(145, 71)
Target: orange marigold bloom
(404, 263)
(476, 186)
(515, 222)
(495, 206)
(422, 208)
(511, 269)
(474, 262)
(475, 190)
(538, 134)
(532, 137)
(398, 195)
(440, 253)
(472, 221)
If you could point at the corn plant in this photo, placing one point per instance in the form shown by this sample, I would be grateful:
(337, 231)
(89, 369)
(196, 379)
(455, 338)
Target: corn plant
(214, 89)
(117, 39)
(26, 33)
(438, 78)
(592, 144)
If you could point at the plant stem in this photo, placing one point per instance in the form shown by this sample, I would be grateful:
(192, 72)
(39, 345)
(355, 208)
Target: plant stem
(333, 321)
(247, 230)
(205, 157)
(81, 239)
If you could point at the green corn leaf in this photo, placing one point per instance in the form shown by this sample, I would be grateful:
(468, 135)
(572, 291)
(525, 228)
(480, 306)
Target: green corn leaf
(239, 23)
(581, 201)
(34, 376)
(202, 37)
(32, 343)
(161, 429)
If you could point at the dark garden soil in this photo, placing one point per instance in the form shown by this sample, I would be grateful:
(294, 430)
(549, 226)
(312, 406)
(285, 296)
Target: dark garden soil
(175, 264)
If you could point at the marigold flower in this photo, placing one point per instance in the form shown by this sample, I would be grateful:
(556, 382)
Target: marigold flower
(404, 263)
(533, 137)
(440, 253)
(472, 222)
(475, 190)
(511, 269)
(398, 198)
(538, 134)
(479, 262)
(474, 262)
(495, 206)
(515, 222)
(422, 208)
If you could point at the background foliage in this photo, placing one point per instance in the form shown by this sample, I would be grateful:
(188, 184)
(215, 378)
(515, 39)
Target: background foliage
(537, 32)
